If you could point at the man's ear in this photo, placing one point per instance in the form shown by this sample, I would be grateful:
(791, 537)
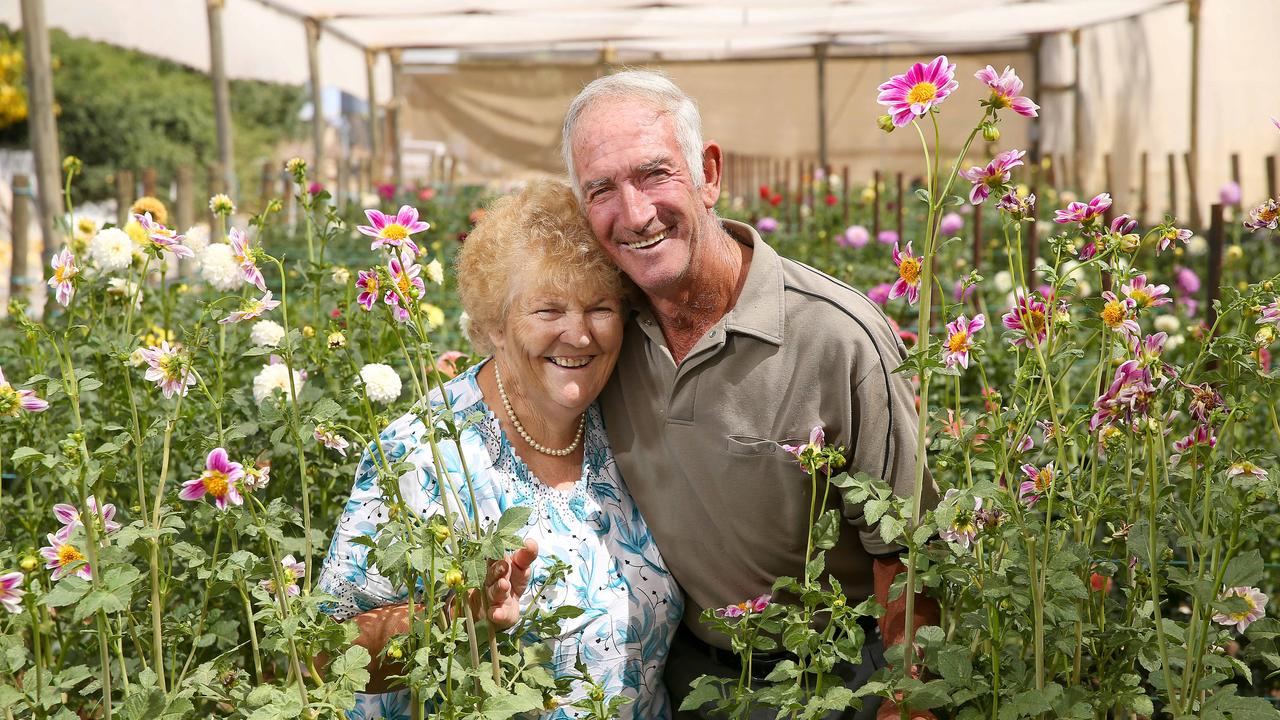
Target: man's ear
(712, 166)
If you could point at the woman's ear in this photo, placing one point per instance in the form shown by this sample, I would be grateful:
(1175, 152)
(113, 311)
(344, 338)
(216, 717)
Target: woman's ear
(498, 339)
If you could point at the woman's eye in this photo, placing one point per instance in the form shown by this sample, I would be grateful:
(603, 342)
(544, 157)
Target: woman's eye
(547, 313)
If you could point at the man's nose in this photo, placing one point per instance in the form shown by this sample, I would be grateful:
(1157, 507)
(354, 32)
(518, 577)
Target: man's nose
(637, 210)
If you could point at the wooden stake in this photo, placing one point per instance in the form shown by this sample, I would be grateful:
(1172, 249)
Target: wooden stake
(184, 204)
(317, 100)
(1143, 180)
(149, 181)
(1271, 176)
(1172, 171)
(1235, 177)
(1197, 221)
(370, 63)
(846, 198)
(21, 217)
(42, 127)
(124, 196)
(875, 206)
(902, 205)
(1214, 279)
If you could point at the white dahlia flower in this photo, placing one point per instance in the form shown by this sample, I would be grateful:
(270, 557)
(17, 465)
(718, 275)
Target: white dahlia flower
(266, 333)
(219, 268)
(112, 250)
(272, 378)
(381, 382)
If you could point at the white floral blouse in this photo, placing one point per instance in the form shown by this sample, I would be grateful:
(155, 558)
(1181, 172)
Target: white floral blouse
(632, 604)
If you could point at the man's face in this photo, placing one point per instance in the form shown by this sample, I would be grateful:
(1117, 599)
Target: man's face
(638, 193)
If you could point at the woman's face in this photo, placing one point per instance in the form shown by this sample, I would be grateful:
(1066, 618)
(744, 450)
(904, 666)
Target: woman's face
(558, 349)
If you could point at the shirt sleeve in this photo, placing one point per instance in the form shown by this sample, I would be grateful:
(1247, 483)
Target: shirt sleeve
(347, 573)
(884, 430)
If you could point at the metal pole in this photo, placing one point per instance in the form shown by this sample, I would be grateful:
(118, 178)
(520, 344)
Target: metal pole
(41, 124)
(820, 57)
(370, 61)
(221, 95)
(317, 102)
(1193, 140)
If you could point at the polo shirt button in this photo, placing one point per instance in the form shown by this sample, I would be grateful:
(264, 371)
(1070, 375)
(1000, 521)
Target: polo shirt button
(713, 333)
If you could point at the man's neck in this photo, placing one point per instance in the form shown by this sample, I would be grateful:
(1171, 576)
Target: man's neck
(708, 294)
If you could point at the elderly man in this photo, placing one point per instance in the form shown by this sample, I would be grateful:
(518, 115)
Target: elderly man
(736, 351)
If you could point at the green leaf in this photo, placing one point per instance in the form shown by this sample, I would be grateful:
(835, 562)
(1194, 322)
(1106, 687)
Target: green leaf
(515, 518)
(1245, 569)
(933, 694)
(702, 691)
(827, 530)
(890, 529)
(500, 707)
(66, 591)
(26, 454)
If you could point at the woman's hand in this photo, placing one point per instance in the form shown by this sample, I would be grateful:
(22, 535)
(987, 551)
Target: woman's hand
(506, 583)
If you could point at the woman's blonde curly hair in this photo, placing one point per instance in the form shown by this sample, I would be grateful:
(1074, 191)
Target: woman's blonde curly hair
(539, 230)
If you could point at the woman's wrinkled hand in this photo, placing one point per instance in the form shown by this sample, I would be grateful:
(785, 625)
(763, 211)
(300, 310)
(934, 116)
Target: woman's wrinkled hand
(506, 582)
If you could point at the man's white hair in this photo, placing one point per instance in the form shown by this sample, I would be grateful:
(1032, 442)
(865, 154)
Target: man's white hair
(648, 86)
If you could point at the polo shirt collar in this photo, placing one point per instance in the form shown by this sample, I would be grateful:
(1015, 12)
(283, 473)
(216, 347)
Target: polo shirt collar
(761, 308)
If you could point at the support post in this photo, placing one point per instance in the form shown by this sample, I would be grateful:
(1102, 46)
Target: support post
(1143, 189)
(149, 181)
(846, 194)
(1214, 276)
(820, 58)
(1172, 170)
(1271, 176)
(1077, 116)
(875, 206)
(1235, 178)
(41, 125)
(370, 65)
(397, 102)
(317, 101)
(1193, 193)
(221, 96)
(124, 196)
(21, 219)
(902, 205)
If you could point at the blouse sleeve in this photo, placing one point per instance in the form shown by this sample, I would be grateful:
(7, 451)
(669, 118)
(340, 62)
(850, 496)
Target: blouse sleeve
(347, 573)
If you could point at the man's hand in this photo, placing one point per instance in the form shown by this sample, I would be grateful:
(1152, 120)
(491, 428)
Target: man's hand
(506, 582)
(889, 710)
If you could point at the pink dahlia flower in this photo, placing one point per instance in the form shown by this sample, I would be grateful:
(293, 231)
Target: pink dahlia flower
(1146, 295)
(914, 93)
(1004, 91)
(13, 401)
(70, 514)
(331, 440)
(1038, 484)
(1168, 234)
(1127, 399)
(855, 236)
(880, 293)
(367, 282)
(244, 253)
(995, 176)
(967, 523)
(251, 308)
(1255, 607)
(1270, 315)
(393, 231)
(167, 368)
(960, 334)
(767, 225)
(64, 269)
(1083, 213)
(11, 591)
(1264, 217)
(293, 570)
(162, 238)
(218, 481)
(754, 605)
(1244, 467)
(951, 224)
(1201, 436)
(1120, 314)
(63, 557)
(1028, 319)
(908, 282)
(406, 285)
(1229, 193)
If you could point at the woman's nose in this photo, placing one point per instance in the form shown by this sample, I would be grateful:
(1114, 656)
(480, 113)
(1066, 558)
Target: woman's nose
(576, 333)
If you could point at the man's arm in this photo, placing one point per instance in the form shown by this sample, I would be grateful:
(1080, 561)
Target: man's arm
(893, 622)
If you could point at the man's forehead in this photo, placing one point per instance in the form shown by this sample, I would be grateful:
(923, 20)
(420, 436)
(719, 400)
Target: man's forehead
(614, 126)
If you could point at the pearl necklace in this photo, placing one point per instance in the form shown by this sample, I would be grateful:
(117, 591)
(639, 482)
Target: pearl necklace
(506, 403)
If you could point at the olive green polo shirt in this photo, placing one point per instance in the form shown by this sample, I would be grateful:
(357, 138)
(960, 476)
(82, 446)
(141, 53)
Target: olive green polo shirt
(699, 442)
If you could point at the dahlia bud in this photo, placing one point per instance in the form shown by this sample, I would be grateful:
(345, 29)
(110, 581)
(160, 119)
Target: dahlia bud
(337, 340)
(394, 651)
(453, 578)
(990, 132)
(1235, 253)
(441, 532)
(29, 563)
(308, 332)
(72, 165)
(274, 206)
(1265, 336)
(885, 123)
(221, 204)
(297, 167)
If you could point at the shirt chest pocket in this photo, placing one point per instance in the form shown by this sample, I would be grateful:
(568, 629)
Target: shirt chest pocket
(752, 446)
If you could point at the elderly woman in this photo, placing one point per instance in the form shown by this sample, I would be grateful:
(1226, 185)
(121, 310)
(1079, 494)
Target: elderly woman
(548, 307)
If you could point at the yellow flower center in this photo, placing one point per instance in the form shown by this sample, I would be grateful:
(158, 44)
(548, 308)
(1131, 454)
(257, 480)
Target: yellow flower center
(922, 92)
(1267, 213)
(9, 401)
(1000, 100)
(406, 285)
(215, 483)
(68, 554)
(62, 274)
(1243, 614)
(1142, 297)
(958, 342)
(909, 270)
(395, 231)
(1034, 322)
(1113, 314)
(1044, 478)
(171, 366)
